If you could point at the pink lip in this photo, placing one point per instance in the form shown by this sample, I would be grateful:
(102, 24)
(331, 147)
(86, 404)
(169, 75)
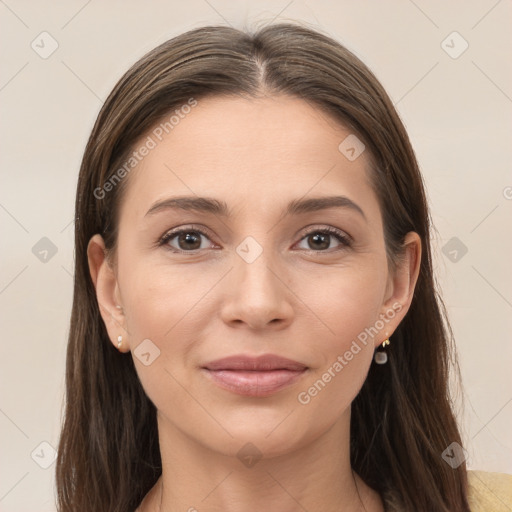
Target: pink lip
(254, 376)
(259, 363)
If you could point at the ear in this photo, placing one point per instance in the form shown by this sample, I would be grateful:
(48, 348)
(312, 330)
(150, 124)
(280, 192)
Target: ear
(400, 287)
(107, 292)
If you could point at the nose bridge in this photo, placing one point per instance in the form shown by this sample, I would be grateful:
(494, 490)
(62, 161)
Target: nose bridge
(254, 268)
(256, 294)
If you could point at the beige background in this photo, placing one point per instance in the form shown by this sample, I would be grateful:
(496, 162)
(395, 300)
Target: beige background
(458, 113)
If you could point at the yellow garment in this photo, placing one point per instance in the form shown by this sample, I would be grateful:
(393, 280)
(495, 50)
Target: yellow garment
(490, 492)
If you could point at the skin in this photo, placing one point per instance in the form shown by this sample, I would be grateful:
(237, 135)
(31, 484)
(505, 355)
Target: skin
(297, 300)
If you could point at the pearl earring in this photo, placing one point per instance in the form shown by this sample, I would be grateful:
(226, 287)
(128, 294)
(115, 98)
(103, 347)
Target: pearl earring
(119, 342)
(381, 356)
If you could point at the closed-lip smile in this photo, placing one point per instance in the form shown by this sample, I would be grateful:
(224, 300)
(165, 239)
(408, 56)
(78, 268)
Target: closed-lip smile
(256, 376)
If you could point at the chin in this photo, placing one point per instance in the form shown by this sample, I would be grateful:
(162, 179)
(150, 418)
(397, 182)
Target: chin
(266, 437)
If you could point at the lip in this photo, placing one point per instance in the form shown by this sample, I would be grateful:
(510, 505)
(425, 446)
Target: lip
(254, 376)
(264, 362)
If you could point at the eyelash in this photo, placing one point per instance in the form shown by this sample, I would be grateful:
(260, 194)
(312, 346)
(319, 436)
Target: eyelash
(345, 240)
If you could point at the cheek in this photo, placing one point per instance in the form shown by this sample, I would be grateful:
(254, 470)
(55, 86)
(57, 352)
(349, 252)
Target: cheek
(347, 308)
(160, 307)
(344, 301)
(159, 298)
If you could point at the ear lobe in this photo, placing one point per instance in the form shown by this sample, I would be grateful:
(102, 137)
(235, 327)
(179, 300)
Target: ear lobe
(105, 283)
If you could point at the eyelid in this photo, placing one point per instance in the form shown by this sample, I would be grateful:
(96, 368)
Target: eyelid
(329, 229)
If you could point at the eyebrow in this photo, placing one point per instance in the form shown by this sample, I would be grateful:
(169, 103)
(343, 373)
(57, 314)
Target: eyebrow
(220, 208)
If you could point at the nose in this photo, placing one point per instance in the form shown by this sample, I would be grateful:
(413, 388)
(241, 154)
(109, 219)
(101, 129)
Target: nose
(257, 295)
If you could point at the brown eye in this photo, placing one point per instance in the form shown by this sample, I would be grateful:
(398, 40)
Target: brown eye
(187, 240)
(319, 240)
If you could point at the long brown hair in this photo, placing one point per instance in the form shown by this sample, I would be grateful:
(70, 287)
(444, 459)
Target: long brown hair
(402, 419)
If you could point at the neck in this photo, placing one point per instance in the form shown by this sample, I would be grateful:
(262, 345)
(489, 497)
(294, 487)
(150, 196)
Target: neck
(315, 476)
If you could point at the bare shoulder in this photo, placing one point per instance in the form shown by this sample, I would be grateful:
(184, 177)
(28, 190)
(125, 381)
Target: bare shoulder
(489, 491)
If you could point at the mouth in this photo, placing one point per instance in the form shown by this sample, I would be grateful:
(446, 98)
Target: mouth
(254, 376)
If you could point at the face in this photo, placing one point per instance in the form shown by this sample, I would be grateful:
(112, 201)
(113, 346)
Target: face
(267, 276)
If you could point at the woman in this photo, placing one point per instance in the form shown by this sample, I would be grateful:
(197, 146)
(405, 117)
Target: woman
(255, 322)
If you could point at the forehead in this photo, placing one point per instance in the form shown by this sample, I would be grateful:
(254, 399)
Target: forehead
(247, 150)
